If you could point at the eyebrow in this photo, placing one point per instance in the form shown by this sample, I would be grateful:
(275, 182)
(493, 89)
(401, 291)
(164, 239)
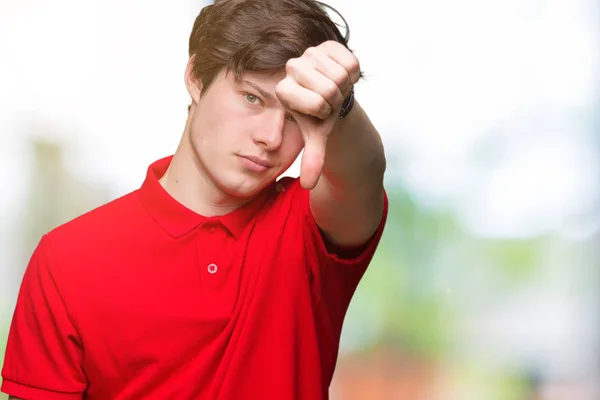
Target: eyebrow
(263, 92)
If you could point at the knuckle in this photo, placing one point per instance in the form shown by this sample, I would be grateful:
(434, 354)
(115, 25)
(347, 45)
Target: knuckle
(331, 43)
(331, 93)
(283, 87)
(311, 51)
(354, 64)
(342, 79)
(279, 89)
(292, 64)
(322, 108)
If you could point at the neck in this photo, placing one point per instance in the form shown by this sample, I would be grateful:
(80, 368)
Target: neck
(188, 182)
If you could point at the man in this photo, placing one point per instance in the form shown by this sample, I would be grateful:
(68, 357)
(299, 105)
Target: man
(215, 280)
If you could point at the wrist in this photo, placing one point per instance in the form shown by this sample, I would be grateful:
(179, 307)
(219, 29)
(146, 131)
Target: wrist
(347, 105)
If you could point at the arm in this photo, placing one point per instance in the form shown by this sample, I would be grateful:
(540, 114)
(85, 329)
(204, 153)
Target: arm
(343, 162)
(44, 354)
(347, 202)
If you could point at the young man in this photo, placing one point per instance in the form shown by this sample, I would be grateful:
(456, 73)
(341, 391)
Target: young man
(215, 280)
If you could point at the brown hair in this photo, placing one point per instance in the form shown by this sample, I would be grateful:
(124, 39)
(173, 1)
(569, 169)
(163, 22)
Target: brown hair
(257, 35)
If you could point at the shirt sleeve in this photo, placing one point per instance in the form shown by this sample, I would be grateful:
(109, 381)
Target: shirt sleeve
(44, 354)
(336, 271)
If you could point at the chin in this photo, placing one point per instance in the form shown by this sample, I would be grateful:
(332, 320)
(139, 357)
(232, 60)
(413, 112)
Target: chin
(247, 188)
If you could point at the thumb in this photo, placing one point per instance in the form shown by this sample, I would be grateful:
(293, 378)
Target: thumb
(313, 160)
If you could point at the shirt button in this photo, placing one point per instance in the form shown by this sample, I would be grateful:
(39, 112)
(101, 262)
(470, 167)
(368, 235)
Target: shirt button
(212, 269)
(211, 229)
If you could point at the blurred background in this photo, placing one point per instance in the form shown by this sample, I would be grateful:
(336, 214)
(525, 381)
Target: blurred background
(487, 282)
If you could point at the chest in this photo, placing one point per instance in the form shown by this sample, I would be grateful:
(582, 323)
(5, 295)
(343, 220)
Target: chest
(183, 304)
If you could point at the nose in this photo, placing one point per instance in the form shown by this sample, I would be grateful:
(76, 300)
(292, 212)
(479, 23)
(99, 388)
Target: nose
(269, 132)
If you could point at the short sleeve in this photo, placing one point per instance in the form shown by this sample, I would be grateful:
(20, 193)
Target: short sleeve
(44, 352)
(336, 273)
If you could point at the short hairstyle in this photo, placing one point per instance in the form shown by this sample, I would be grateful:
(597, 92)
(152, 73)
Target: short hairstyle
(258, 35)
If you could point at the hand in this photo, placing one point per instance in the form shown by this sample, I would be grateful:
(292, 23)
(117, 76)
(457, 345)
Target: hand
(314, 90)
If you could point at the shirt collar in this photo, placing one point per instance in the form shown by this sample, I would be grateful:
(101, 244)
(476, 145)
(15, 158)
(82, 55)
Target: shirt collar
(177, 219)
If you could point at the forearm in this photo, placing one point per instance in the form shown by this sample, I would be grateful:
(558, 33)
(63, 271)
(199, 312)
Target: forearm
(354, 158)
(348, 201)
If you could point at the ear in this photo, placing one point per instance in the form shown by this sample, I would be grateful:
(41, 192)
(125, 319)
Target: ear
(192, 83)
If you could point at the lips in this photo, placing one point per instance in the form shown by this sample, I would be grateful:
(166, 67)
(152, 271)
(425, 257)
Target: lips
(260, 161)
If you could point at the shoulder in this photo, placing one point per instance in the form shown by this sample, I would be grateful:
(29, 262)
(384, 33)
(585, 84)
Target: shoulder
(110, 220)
(78, 253)
(289, 189)
(287, 197)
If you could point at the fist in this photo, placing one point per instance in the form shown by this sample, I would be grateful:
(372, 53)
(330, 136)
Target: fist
(313, 90)
(317, 83)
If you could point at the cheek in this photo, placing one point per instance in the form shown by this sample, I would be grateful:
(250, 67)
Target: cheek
(218, 126)
(292, 144)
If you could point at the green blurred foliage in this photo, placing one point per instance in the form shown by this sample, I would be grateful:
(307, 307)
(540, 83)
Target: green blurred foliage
(424, 259)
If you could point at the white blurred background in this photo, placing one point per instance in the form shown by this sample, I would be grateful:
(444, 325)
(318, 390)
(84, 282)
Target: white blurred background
(486, 285)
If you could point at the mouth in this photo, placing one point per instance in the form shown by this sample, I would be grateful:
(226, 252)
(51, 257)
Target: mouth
(259, 161)
(255, 164)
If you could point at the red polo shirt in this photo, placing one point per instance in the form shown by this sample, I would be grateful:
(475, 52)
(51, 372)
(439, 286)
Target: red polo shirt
(144, 299)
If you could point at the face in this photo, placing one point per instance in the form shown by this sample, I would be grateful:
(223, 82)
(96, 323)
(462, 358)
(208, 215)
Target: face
(242, 136)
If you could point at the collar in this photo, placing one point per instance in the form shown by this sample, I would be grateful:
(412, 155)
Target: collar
(177, 220)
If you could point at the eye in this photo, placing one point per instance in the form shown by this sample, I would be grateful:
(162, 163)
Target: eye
(291, 118)
(252, 99)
